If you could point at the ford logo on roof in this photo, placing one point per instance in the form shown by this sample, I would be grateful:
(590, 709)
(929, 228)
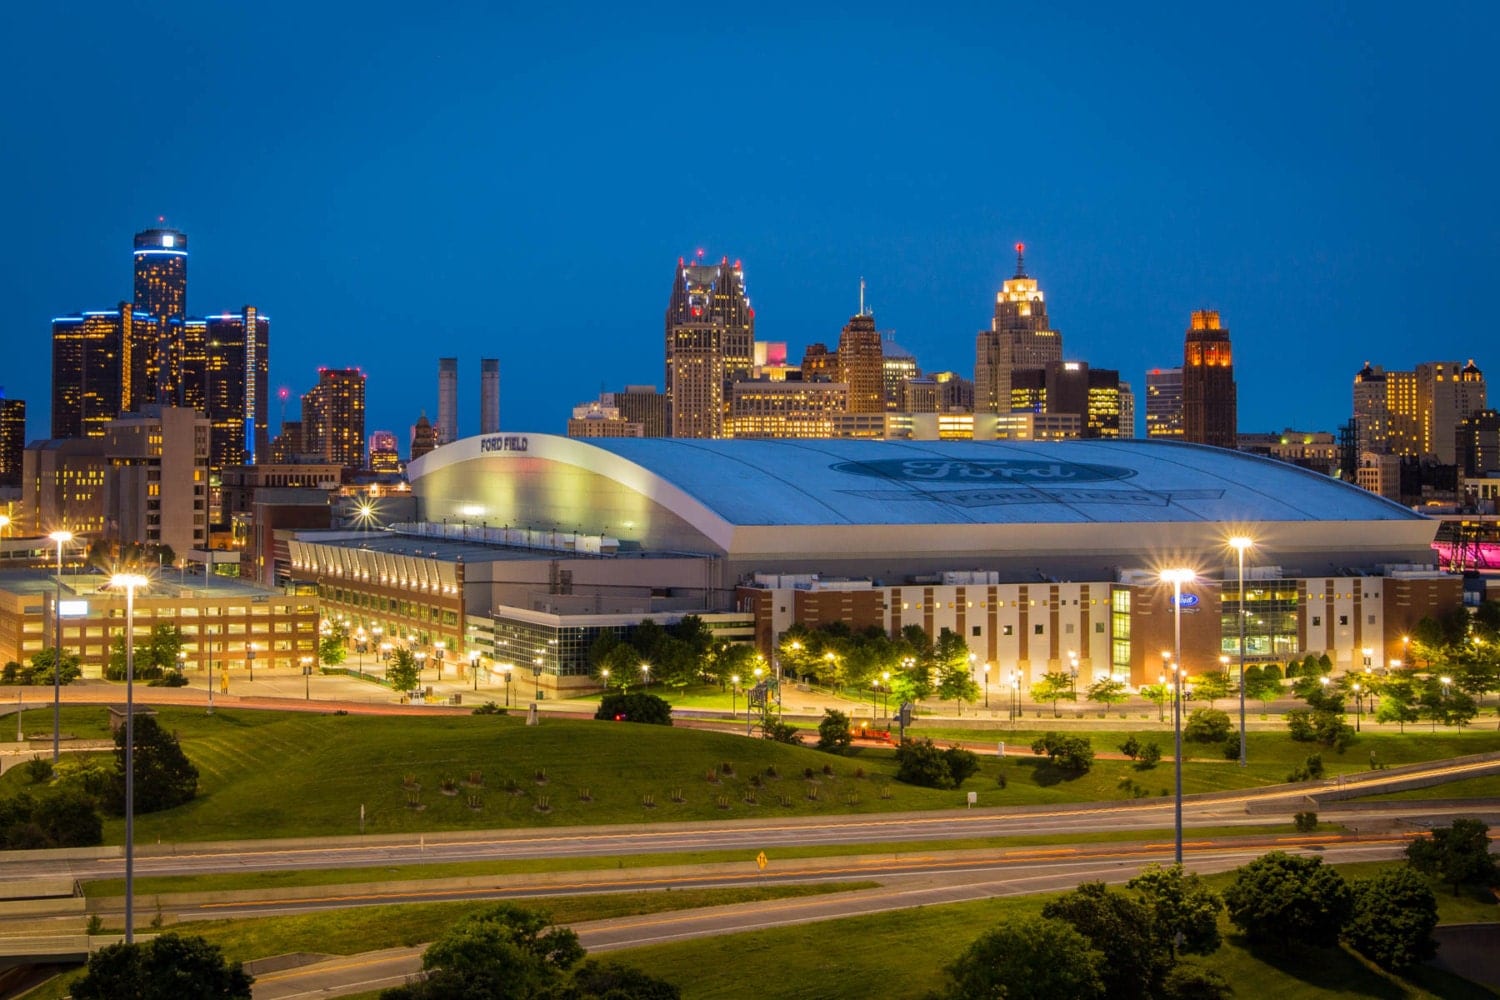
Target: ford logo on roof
(994, 471)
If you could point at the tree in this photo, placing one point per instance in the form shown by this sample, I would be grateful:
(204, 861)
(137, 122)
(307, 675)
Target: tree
(331, 649)
(1393, 920)
(833, 732)
(1458, 853)
(956, 682)
(609, 981)
(1032, 958)
(41, 667)
(401, 671)
(1068, 753)
(69, 818)
(1283, 898)
(1193, 982)
(162, 648)
(1120, 928)
(1398, 702)
(1107, 691)
(170, 967)
(503, 951)
(1211, 687)
(164, 777)
(1157, 694)
(1054, 687)
(637, 706)
(1183, 908)
(1207, 725)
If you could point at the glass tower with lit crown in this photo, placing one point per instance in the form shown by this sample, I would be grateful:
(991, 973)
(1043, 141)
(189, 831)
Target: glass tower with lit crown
(1209, 408)
(160, 292)
(1020, 338)
(710, 343)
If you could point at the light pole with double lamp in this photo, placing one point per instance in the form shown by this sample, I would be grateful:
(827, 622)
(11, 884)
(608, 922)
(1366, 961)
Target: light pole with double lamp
(1240, 543)
(129, 582)
(61, 538)
(1177, 577)
(474, 667)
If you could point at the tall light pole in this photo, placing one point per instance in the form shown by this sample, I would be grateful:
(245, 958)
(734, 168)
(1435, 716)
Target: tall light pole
(1240, 543)
(986, 685)
(474, 667)
(646, 676)
(734, 695)
(129, 581)
(61, 538)
(1177, 577)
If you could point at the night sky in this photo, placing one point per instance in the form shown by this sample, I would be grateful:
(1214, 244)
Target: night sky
(418, 180)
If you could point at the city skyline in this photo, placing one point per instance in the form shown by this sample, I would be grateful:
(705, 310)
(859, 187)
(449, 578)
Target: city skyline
(1299, 226)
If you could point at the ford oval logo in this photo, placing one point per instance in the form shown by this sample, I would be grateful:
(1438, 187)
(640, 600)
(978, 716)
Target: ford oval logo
(1187, 601)
(990, 471)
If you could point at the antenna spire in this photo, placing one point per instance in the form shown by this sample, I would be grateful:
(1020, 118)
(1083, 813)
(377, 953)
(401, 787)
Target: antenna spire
(861, 296)
(1020, 260)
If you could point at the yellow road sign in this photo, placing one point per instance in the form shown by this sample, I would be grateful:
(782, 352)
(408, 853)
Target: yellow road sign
(760, 860)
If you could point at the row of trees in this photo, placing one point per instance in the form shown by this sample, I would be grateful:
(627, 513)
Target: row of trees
(38, 670)
(910, 666)
(673, 656)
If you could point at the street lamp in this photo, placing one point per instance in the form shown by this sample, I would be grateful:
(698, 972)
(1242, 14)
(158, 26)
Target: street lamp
(506, 668)
(1446, 681)
(250, 659)
(421, 657)
(1359, 708)
(1015, 695)
(1177, 577)
(1240, 543)
(1073, 670)
(5, 523)
(986, 685)
(734, 693)
(646, 675)
(61, 538)
(439, 651)
(129, 582)
(307, 678)
(474, 667)
(604, 677)
(536, 677)
(885, 692)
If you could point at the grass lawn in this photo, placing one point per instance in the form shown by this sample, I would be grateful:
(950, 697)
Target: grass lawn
(286, 774)
(1484, 787)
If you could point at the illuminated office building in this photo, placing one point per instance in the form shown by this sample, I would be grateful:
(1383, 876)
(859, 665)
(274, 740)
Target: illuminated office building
(1127, 410)
(819, 364)
(860, 365)
(898, 366)
(763, 408)
(1164, 403)
(90, 370)
(447, 421)
(641, 404)
(333, 417)
(1447, 393)
(12, 440)
(1209, 409)
(1105, 409)
(596, 419)
(1020, 338)
(489, 395)
(156, 478)
(226, 375)
(385, 456)
(161, 273)
(710, 343)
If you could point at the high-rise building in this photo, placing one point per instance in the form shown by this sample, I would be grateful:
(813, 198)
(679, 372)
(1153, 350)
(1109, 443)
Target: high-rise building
(1164, 403)
(1105, 415)
(156, 479)
(596, 419)
(447, 421)
(384, 455)
(860, 365)
(489, 395)
(819, 364)
(156, 348)
(1372, 415)
(641, 404)
(898, 366)
(1447, 392)
(333, 417)
(1209, 408)
(62, 486)
(90, 370)
(12, 440)
(1020, 338)
(762, 408)
(1477, 443)
(226, 375)
(423, 437)
(1127, 411)
(710, 343)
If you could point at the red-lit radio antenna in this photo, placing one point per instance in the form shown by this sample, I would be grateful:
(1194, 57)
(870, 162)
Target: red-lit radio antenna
(1020, 260)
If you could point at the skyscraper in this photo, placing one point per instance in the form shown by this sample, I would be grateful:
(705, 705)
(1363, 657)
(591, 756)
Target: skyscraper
(423, 437)
(1447, 392)
(228, 379)
(899, 366)
(1372, 414)
(1019, 338)
(1164, 403)
(489, 395)
(333, 417)
(859, 364)
(1209, 409)
(384, 455)
(12, 440)
(161, 293)
(90, 384)
(447, 421)
(710, 343)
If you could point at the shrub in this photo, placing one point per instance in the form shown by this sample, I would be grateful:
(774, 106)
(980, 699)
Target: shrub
(1068, 753)
(1131, 748)
(1150, 756)
(490, 708)
(783, 732)
(1207, 725)
(834, 735)
(637, 706)
(1282, 898)
(1305, 822)
(38, 770)
(920, 762)
(962, 764)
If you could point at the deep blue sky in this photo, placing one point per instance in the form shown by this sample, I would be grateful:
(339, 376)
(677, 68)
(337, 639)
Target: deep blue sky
(416, 180)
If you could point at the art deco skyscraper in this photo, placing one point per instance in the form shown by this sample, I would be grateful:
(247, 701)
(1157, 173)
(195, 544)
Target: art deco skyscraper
(1209, 409)
(489, 395)
(860, 365)
(447, 421)
(1019, 338)
(710, 342)
(333, 417)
